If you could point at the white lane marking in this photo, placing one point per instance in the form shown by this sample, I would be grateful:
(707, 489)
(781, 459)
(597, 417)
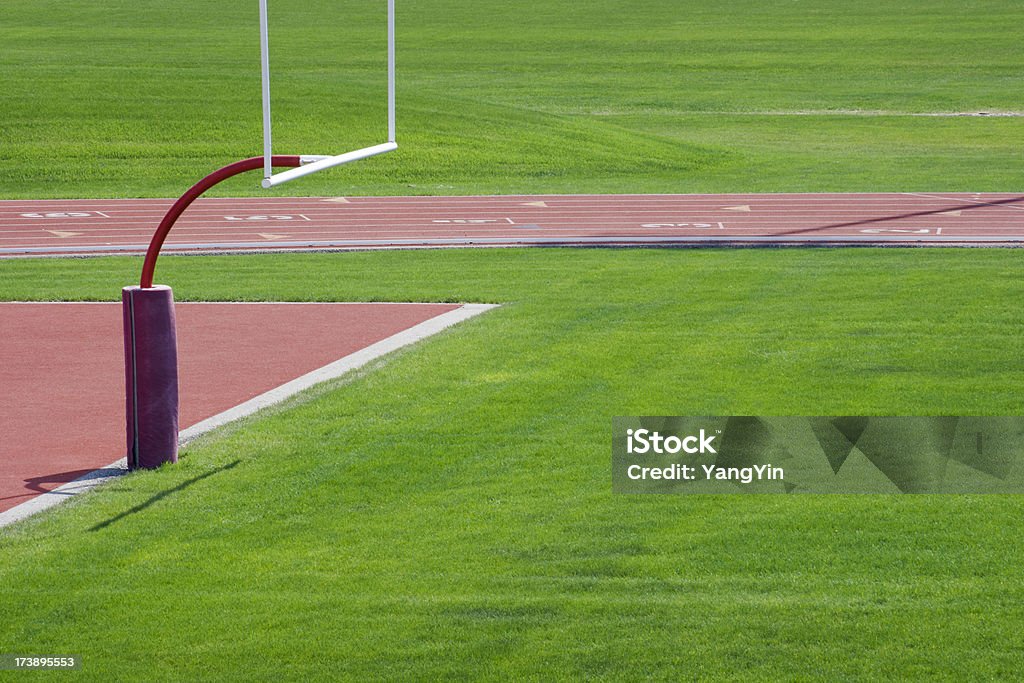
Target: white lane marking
(717, 225)
(268, 217)
(466, 221)
(876, 231)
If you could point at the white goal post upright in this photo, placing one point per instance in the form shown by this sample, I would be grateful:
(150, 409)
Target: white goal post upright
(314, 163)
(265, 83)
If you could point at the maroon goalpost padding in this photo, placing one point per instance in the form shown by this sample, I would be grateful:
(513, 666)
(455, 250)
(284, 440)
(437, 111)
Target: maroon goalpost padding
(151, 375)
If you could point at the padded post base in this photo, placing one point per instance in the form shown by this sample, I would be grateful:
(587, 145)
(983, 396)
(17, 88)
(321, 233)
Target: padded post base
(151, 376)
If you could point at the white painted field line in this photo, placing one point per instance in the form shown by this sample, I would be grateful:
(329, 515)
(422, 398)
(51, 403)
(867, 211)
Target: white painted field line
(336, 369)
(333, 370)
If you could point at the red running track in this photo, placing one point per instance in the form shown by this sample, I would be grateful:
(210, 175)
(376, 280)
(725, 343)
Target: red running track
(56, 227)
(62, 373)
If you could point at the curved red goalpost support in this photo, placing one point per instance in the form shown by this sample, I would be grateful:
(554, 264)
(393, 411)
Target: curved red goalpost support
(218, 176)
(151, 340)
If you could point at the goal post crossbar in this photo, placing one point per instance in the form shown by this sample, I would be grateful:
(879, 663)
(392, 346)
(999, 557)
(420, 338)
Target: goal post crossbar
(314, 163)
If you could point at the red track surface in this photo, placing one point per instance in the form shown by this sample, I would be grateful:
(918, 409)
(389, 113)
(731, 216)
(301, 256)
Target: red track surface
(62, 373)
(112, 226)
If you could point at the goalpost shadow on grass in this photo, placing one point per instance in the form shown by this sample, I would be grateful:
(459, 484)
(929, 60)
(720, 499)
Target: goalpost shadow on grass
(163, 494)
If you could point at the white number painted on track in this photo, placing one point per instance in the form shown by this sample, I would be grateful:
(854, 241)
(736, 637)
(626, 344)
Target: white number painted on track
(65, 214)
(261, 217)
(702, 226)
(468, 221)
(876, 231)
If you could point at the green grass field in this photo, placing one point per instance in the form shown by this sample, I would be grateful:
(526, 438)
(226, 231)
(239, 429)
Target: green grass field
(448, 514)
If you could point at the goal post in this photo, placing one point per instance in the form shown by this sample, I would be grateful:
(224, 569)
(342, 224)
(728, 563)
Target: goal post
(150, 337)
(311, 163)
